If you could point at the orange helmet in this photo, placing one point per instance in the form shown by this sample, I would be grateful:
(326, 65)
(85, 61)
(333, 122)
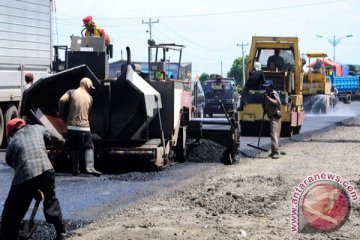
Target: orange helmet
(87, 19)
(14, 125)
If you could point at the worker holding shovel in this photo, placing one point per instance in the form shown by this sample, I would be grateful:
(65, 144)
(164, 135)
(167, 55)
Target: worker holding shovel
(271, 106)
(26, 154)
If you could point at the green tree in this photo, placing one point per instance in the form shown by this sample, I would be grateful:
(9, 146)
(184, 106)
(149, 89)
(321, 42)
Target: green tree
(236, 70)
(203, 77)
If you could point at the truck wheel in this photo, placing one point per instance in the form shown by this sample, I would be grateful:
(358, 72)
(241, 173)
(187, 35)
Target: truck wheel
(2, 127)
(347, 98)
(10, 113)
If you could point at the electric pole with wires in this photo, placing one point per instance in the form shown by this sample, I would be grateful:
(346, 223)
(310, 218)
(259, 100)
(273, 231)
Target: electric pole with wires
(242, 45)
(150, 23)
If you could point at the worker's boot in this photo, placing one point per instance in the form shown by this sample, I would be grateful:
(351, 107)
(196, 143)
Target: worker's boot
(75, 162)
(61, 232)
(89, 163)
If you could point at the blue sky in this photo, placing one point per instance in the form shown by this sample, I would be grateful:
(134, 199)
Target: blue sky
(211, 29)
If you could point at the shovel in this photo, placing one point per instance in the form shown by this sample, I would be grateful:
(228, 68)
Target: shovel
(260, 132)
(28, 226)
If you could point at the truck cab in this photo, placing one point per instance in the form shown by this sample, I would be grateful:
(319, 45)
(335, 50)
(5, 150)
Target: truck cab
(219, 89)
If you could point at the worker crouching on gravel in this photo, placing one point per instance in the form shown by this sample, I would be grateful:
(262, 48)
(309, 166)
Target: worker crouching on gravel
(26, 154)
(271, 106)
(78, 125)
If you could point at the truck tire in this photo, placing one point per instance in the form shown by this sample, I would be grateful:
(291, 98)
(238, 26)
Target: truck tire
(2, 127)
(10, 113)
(347, 98)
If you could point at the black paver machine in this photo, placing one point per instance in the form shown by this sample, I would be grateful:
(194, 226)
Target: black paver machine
(133, 116)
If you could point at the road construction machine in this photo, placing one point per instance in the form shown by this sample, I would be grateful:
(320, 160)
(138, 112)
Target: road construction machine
(287, 79)
(133, 117)
(316, 86)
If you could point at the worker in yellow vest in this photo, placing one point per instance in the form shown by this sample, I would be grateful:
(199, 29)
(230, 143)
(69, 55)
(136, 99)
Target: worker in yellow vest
(93, 30)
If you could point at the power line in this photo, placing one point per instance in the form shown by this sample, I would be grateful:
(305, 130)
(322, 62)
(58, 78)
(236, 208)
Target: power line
(231, 12)
(256, 10)
(150, 23)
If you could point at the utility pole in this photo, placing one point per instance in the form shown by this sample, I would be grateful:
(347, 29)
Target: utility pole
(150, 23)
(242, 45)
(221, 68)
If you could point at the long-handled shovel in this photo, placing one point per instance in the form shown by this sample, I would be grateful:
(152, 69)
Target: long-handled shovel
(260, 132)
(28, 226)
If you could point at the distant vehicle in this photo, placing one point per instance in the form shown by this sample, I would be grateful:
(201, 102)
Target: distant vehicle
(200, 98)
(217, 89)
(25, 48)
(317, 96)
(347, 86)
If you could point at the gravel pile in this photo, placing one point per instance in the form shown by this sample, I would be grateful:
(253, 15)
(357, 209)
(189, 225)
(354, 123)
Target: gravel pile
(205, 152)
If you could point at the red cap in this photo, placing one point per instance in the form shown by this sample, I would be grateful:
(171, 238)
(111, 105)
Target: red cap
(29, 77)
(14, 125)
(87, 19)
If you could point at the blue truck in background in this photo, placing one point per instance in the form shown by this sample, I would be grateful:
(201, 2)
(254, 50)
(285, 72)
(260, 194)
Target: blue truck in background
(347, 86)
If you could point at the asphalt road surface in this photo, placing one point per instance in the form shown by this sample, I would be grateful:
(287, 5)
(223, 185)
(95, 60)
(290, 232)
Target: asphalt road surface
(313, 122)
(87, 198)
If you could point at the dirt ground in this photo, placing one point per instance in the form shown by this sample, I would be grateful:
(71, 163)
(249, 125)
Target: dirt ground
(248, 200)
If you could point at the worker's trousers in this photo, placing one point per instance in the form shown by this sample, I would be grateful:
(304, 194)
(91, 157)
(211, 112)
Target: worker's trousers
(275, 129)
(19, 200)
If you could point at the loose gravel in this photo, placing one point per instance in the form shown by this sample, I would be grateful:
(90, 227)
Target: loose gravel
(248, 200)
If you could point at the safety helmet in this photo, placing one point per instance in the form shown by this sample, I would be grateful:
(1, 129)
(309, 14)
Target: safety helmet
(14, 125)
(29, 77)
(257, 66)
(268, 83)
(87, 20)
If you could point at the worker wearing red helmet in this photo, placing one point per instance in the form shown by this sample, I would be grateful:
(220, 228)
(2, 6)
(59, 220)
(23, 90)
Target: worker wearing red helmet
(93, 30)
(34, 174)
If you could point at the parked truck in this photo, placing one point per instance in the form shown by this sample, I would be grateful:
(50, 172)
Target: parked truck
(316, 86)
(347, 86)
(25, 46)
(288, 81)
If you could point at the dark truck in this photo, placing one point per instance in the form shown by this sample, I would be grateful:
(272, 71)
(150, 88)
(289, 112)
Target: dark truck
(219, 89)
